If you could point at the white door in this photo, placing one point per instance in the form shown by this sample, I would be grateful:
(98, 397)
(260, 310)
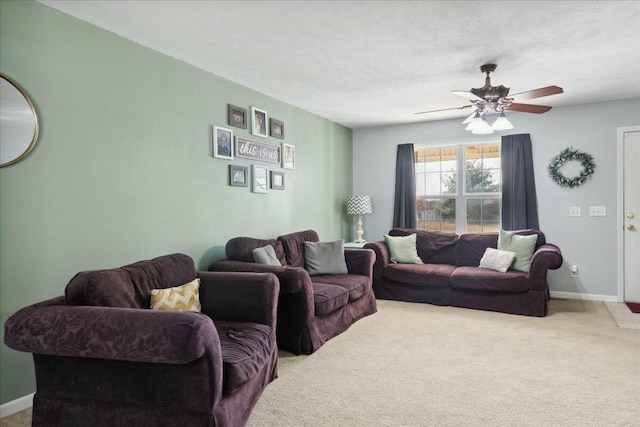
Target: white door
(631, 215)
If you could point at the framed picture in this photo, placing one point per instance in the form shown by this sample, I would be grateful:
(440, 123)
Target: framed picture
(222, 143)
(277, 180)
(237, 116)
(259, 122)
(260, 179)
(276, 128)
(238, 176)
(288, 156)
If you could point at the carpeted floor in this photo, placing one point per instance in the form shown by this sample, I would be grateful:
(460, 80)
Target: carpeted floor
(423, 365)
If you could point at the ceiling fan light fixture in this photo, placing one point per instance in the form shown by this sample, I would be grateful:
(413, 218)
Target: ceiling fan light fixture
(502, 123)
(482, 129)
(476, 122)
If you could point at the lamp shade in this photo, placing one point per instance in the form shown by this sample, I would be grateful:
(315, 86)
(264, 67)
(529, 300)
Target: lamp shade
(359, 205)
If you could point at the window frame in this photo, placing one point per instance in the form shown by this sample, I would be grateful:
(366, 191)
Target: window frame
(461, 196)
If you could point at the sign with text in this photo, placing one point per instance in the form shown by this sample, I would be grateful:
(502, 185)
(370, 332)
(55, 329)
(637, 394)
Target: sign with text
(257, 150)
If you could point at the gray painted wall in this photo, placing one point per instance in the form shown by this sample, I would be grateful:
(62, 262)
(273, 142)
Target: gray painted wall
(123, 169)
(589, 242)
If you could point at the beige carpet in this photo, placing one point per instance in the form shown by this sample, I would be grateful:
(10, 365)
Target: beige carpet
(423, 365)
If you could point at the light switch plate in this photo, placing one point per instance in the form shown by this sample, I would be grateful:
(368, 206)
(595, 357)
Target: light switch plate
(597, 211)
(574, 211)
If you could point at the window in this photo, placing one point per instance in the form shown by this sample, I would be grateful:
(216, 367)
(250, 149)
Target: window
(458, 188)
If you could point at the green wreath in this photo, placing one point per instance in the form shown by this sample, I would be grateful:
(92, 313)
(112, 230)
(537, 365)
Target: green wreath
(566, 155)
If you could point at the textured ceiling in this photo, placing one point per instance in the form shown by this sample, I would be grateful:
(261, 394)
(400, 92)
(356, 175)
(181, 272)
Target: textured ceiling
(369, 63)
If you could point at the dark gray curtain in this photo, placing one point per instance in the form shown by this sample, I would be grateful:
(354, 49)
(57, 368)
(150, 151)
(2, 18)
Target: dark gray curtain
(404, 209)
(519, 203)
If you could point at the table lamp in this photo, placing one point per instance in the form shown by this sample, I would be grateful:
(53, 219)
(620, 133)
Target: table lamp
(358, 205)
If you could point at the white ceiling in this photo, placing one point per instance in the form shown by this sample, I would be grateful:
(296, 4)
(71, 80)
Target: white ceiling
(369, 63)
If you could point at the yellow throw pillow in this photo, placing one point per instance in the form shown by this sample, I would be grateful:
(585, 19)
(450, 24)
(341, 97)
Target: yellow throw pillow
(180, 298)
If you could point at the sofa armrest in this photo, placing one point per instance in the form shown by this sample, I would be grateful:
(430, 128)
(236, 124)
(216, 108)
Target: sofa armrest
(546, 257)
(382, 257)
(240, 296)
(360, 261)
(292, 279)
(114, 333)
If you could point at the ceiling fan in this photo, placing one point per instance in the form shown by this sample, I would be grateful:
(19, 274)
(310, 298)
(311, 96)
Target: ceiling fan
(489, 100)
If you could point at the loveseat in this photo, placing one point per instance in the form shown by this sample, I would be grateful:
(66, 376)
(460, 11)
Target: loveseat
(312, 308)
(448, 272)
(104, 358)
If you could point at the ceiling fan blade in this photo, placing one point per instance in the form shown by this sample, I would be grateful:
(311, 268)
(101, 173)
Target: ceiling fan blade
(467, 95)
(444, 109)
(529, 108)
(538, 93)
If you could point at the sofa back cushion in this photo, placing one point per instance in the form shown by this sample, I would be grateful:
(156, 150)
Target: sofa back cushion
(471, 246)
(433, 247)
(241, 249)
(293, 244)
(130, 286)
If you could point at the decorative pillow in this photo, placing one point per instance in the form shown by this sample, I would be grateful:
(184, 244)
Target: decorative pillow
(325, 258)
(496, 259)
(403, 249)
(179, 298)
(523, 246)
(266, 255)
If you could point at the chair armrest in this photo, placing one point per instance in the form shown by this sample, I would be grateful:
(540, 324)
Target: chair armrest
(240, 296)
(114, 333)
(546, 257)
(360, 261)
(292, 279)
(382, 257)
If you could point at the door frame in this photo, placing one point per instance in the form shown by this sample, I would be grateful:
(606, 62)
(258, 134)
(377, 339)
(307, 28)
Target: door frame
(620, 205)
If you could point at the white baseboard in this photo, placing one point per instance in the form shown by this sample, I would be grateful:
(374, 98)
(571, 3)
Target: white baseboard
(589, 297)
(20, 404)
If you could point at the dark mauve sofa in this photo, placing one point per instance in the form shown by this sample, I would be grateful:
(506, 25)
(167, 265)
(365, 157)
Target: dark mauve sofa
(311, 308)
(103, 358)
(451, 274)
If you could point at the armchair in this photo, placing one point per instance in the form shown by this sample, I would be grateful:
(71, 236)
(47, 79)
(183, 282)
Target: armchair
(103, 358)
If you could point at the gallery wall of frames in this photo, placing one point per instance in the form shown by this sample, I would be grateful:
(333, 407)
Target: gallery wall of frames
(258, 145)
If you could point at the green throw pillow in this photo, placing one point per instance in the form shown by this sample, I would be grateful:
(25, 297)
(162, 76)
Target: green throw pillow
(497, 260)
(523, 246)
(403, 249)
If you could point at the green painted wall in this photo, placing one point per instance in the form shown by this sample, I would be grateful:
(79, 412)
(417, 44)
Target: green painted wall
(123, 169)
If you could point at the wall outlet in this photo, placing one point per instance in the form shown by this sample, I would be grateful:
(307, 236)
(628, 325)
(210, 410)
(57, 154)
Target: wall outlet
(574, 271)
(574, 211)
(597, 211)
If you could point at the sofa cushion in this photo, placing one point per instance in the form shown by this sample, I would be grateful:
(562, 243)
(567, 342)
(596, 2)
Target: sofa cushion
(179, 298)
(496, 259)
(471, 248)
(434, 247)
(327, 298)
(356, 285)
(403, 249)
(245, 350)
(130, 286)
(293, 244)
(523, 246)
(325, 258)
(481, 279)
(266, 255)
(241, 249)
(427, 275)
